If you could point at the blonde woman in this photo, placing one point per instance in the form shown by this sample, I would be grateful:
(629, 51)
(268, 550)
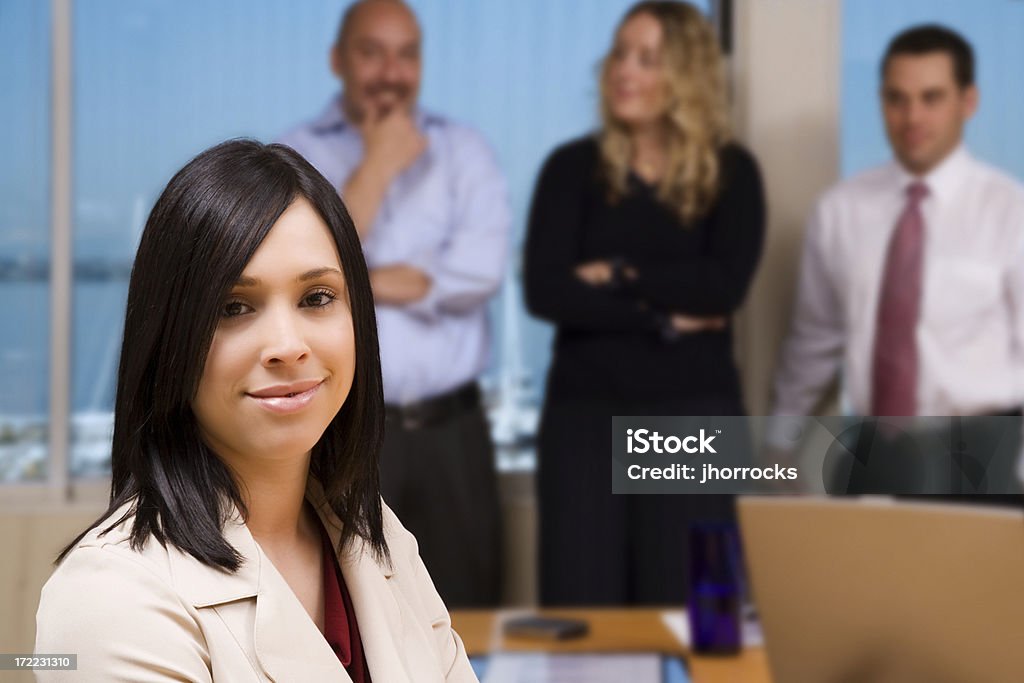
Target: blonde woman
(643, 239)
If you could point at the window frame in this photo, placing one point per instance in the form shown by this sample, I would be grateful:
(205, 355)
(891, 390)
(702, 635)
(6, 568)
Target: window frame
(58, 488)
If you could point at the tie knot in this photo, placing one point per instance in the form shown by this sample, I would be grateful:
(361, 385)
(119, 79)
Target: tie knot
(916, 191)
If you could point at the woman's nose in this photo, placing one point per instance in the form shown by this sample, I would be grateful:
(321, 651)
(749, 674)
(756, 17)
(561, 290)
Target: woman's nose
(283, 342)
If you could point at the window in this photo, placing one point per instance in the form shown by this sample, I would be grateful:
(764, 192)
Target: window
(24, 240)
(993, 28)
(154, 83)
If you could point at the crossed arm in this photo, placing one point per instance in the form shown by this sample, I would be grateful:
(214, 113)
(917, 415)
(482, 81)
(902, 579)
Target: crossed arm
(689, 296)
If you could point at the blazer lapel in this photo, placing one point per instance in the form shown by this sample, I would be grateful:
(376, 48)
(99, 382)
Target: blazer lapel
(378, 613)
(288, 645)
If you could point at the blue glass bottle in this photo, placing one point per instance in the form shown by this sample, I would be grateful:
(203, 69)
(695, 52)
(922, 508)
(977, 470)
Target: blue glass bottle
(716, 589)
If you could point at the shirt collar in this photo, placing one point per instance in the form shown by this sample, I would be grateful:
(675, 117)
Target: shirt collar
(945, 179)
(333, 119)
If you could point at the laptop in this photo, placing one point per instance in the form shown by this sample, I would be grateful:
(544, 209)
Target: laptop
(873, 590)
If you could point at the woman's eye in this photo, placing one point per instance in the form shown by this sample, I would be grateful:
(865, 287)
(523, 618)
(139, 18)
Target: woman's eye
(318, 299)
(649, 59)
(233, 308)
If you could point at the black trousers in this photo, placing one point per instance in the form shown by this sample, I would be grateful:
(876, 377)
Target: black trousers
(970, 459)
(597, 548)
(441, 481)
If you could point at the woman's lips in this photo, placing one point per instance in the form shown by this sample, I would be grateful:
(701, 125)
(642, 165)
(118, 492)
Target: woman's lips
(285, 405)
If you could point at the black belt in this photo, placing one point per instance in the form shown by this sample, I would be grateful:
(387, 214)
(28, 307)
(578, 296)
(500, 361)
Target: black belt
(1013, 412)
(436, 409)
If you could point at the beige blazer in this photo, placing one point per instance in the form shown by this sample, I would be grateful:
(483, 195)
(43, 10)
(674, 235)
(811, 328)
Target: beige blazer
(160, 615)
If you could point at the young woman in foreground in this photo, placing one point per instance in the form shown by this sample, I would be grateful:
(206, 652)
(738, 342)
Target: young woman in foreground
(246, 539)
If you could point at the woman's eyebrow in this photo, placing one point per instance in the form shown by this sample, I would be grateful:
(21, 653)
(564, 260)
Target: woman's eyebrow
(318, 272)
(246, 281)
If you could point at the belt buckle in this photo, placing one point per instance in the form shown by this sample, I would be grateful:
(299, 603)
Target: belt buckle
(411, 422)
(412, 417)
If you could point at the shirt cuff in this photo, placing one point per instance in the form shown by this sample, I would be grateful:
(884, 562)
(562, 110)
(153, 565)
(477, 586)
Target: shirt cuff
(428, 307)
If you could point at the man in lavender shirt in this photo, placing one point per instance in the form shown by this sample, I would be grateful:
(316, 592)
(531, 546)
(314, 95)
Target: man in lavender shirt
(430, 205)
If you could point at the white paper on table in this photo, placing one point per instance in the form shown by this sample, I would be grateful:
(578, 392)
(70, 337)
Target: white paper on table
(512, 667)
(679, 625)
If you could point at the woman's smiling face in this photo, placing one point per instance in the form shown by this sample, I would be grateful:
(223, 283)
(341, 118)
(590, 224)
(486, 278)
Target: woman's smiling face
(283, 357)
(634, 73)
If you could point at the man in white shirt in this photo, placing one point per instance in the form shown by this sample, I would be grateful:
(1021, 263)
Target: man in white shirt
(912, 275)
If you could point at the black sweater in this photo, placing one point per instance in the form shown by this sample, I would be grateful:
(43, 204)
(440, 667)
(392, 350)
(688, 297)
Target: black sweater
(610, 342)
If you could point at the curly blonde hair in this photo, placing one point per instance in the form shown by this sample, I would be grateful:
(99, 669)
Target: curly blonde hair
(697, 117)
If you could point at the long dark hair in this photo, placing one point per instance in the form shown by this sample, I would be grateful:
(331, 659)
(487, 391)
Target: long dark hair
(204, 228)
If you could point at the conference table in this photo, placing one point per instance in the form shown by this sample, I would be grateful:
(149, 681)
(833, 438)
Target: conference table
(611, 630)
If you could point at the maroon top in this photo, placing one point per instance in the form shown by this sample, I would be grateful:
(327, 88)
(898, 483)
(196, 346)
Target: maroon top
(340, 628)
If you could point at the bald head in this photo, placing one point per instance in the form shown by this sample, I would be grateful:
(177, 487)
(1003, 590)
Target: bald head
(365, 8)
(377, 57)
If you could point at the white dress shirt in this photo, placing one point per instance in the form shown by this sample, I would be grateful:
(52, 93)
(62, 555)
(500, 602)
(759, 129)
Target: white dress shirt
(970, 335)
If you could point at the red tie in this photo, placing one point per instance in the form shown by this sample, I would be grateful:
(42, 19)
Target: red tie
(894, 365)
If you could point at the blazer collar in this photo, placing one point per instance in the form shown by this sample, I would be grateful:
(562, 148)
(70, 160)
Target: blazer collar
(205, 586)
(286, 639)
(370, 587)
